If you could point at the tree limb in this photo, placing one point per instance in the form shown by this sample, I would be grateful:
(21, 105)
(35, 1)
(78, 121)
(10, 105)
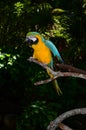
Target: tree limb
(64, 127)
(74, 72)
(55, 123)
(61, 74)
(70, 68)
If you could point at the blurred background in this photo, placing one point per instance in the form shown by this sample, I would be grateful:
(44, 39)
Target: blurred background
(23, 105)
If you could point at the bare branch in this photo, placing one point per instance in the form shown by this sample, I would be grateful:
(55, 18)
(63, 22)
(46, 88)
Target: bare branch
(31, 59)
(55, 123)
(61, 74)
(74, 72)
(64, 127)
(70, 68)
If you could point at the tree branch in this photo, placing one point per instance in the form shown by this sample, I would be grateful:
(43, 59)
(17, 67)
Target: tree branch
(74, 72)
(64, 127)
(61, 74)
(70, 68)
(55, 123)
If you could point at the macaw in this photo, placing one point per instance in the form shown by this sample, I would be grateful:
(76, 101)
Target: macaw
(43, 50)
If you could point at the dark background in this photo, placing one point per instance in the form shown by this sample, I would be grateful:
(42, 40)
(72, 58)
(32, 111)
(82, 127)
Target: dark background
(23, 105)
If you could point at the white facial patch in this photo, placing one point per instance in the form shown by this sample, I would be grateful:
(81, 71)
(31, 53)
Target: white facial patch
(32, 38)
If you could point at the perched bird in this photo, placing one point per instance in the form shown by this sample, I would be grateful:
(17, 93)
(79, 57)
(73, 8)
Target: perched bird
(43, 50)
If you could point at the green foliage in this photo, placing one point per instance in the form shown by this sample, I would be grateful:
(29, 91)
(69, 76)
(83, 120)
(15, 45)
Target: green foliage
(36, 109)
(18, 7)
(63, 22)
(7, 59)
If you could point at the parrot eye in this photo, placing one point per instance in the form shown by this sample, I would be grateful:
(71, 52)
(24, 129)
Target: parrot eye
(31, 40)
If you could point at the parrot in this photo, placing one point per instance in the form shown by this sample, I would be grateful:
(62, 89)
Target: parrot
(43, 51)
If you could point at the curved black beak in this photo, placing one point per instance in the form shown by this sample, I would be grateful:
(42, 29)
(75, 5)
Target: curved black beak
(28, 40)
(31, 40)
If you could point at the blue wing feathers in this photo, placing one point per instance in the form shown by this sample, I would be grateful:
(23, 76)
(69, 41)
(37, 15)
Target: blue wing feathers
(53, 49)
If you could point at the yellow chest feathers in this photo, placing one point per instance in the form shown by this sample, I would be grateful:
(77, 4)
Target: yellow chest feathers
(42, 53)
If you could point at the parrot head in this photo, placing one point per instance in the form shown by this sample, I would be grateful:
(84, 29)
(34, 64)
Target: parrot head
(32, 38)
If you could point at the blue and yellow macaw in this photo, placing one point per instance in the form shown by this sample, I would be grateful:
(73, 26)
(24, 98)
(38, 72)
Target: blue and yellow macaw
(43, 50)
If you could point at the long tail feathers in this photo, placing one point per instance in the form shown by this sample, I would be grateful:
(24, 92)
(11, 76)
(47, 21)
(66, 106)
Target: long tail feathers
(55, 83)
(58, 90)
